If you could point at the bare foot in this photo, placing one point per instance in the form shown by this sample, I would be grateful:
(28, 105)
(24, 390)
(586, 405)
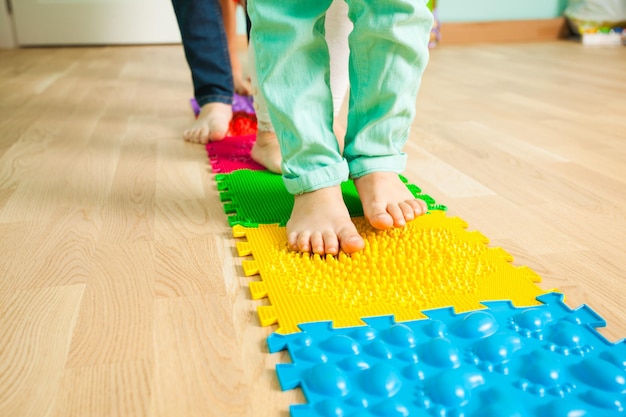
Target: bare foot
(212, 123)
(266, 151)
(243, 86)
(320, 223)
(386, 201)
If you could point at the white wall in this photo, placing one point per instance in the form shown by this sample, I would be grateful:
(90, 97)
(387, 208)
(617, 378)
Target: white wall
(6, 29)
(241, 21)
(493, 10)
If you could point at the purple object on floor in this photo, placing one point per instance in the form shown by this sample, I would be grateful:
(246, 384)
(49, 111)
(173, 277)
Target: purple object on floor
(240, 103)
(194, 106)
(243, 103)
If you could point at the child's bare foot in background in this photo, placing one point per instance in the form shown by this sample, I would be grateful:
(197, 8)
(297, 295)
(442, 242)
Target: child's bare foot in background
(320, 223)
(212, 123)
(386, 201)
(266, 151)
(243, 86)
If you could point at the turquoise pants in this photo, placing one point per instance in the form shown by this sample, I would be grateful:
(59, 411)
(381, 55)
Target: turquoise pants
(388, 54)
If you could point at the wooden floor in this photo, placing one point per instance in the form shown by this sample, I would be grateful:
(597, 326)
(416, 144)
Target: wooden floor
(120, 291)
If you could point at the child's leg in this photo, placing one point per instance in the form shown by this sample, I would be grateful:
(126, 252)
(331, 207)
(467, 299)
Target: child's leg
(229, 11)
(338, 28)
(293, 69)
(206, 51)
(389, 52)
(265, 150)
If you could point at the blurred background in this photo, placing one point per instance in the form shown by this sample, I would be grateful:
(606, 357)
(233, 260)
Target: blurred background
(105, 22)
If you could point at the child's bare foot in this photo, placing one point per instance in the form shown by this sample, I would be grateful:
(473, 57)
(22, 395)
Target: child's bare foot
(386, 201)
(243, 86)
(212, 123)
(266, 151)
(320, 223)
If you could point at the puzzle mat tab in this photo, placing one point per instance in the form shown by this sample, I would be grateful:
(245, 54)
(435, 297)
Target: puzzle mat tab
(259, 197)
(542, 361)
(243, 103)
(232, 153)
(432, 262)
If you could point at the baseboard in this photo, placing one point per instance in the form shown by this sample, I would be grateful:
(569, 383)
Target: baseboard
(540, 30)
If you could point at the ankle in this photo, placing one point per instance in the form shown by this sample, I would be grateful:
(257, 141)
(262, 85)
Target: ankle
(266, 137)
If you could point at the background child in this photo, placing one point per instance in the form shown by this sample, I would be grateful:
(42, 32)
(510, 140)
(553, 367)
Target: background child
(208, 32)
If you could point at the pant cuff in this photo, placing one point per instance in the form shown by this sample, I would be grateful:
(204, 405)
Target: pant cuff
(366, 165)
(214, 99)
(324, 177)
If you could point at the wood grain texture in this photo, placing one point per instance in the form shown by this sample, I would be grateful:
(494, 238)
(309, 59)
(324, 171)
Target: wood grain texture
(35, 336)
(120, 290)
